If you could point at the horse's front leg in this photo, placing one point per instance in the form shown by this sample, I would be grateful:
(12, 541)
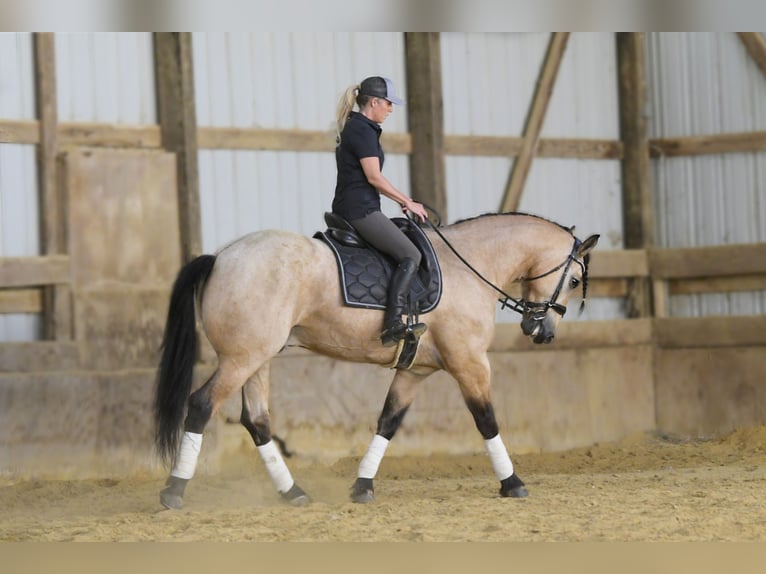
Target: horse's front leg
(255, 418)
(474, 379)
(399, 398)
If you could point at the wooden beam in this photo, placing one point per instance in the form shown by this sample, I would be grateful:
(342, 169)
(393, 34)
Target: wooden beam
(21, 301)
(47, 124)
(57, 311)
(109, 135)
(425, 112)
(716, 261)
(34, 271)
(732, 284)
(711, 144)
(534, 121)
(756, 46)
(268, 139)
(666, 333)
(178, 128)
(607, 288)
(38, 356)
(636, 198)
(148, 137)
(696, 332)
(576, 335)
(619, 263)
(19, 131)
(553, 147)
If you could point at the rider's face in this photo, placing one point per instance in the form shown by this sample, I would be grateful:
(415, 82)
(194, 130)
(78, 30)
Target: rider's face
(380, 108)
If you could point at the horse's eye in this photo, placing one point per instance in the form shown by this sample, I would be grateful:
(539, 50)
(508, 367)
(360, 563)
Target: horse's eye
(574, 282)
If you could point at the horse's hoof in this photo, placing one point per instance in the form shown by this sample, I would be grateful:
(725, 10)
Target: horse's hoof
(362, 491)
(513, 487)
(296, 496)
(518, 492)
(363, 497)
(170, 500)
(172, 496)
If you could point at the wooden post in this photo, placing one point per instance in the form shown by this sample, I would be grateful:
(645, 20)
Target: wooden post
(57, 312)
(636, 192)
(425, 112)
(178, 128)
(755, 44)
(534, 122)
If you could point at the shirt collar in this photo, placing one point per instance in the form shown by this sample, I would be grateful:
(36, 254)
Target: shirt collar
(363, 118)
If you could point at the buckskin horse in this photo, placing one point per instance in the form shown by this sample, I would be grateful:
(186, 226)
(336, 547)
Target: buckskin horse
(271, 287)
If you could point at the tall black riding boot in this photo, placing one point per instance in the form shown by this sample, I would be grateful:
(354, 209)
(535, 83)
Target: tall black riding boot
(398, 289)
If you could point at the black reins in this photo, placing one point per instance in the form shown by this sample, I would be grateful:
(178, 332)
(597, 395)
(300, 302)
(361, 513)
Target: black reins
(537, 309)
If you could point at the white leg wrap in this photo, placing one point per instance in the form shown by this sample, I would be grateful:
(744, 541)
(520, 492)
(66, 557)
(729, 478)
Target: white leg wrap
(187, 455)
(276, 467)
(498, 455)
(368, 468)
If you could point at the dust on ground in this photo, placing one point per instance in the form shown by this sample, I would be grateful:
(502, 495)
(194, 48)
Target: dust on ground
(645, 488)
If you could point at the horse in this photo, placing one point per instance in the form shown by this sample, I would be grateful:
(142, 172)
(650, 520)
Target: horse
(272, 288)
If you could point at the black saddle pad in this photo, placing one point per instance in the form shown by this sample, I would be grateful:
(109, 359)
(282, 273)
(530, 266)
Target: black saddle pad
(365, 271)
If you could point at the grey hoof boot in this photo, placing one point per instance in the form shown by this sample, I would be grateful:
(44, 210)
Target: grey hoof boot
(172, 496)
(296, 496)
(513, 487)
(362, 491)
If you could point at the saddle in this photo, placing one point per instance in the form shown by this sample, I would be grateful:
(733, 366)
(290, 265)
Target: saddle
(365, 271)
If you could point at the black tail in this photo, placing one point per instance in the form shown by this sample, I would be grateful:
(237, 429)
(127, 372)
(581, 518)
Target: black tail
(179, 349)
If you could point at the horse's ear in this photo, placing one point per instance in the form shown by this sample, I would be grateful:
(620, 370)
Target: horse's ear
(587, 245)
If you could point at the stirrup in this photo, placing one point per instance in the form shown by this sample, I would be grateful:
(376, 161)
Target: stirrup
(416, 329)
(391, 336)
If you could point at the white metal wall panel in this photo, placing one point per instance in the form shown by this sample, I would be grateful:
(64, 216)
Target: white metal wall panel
(106, 77)
(489, 81)
(19, 228)
(284, 81)
(700, 84)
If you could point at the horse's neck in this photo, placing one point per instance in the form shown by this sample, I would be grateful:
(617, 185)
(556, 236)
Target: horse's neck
(503, 248)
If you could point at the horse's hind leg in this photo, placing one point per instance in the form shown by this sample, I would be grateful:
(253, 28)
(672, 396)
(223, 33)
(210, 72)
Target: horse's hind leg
(473, 379)
(399, 398)
(201, 405)
(255, 418)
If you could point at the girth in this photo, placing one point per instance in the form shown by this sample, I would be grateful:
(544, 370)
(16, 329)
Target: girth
(365, 272)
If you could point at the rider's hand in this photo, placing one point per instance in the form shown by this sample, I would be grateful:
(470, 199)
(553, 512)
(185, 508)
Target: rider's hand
(416, 208)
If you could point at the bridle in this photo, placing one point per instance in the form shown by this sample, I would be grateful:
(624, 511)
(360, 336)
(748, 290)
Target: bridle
(533, 310)
(537, 309)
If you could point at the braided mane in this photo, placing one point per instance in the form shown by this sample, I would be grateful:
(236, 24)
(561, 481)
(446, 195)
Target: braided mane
(489, 214)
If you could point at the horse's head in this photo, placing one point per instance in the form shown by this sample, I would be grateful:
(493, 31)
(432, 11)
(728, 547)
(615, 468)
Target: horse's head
(545, 295)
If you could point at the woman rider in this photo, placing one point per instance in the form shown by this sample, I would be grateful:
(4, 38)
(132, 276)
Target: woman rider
(359, 158)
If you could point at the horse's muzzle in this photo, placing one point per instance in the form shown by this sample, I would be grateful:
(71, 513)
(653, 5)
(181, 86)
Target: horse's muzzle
(538, 329)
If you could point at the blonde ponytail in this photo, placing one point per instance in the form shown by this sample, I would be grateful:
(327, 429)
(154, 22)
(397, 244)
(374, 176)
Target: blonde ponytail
(345, 105)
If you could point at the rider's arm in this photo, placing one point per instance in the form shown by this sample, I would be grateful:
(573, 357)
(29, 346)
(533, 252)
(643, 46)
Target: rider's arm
(371, 168)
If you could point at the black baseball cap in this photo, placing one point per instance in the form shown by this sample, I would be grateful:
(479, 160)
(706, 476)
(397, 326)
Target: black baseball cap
(378, 87)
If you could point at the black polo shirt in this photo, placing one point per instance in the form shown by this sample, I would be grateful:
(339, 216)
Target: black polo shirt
(354, 196)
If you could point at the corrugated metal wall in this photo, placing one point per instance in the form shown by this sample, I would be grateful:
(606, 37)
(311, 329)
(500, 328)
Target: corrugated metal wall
(287, 81)
(700, 84)
(489, 81)
(19, 211)
(106, 78)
